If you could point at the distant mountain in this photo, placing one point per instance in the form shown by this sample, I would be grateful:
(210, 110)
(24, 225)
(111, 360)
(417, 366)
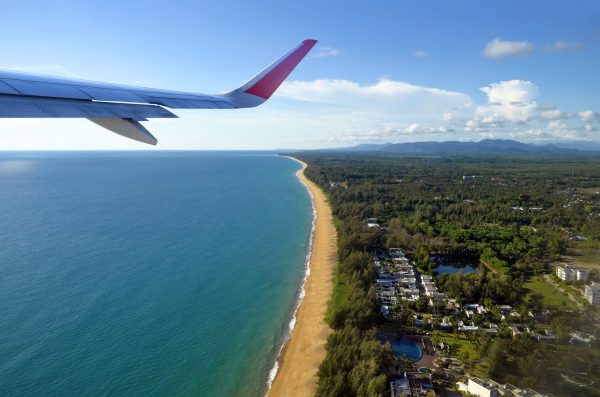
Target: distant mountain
(585, 146)
(486, 146)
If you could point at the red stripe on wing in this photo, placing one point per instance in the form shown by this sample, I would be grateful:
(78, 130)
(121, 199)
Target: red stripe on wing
(266, 86)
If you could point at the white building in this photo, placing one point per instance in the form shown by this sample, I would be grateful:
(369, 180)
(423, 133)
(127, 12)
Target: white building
(478, 387)
(490, 388)
(592, 293)
(569, 273)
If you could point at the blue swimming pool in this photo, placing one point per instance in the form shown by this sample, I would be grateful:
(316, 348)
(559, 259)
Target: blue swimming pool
(407, 347)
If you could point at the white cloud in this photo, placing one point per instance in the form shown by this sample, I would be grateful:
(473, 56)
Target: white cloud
(511, 92)
(556, 125)
(509, 101)
(554, 114)
(391, 111)
(589, 116)
(416, 128)
(323, 52)
(384, 94)
(562, 46)
(420, 54)
(499, 48)
(512, 112)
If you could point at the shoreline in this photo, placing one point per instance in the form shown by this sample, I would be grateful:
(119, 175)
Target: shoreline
(295, 371)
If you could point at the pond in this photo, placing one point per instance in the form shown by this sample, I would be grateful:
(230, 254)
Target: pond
(454, 264)
(408, 347)
(453, 268)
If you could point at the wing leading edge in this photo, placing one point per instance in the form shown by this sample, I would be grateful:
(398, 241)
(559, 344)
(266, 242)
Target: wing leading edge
(119, 108)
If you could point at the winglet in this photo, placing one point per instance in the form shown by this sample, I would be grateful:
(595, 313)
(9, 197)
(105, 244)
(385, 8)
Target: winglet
(260, 88)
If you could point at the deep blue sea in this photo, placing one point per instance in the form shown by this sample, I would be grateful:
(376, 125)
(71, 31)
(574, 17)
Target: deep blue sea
(147, 273)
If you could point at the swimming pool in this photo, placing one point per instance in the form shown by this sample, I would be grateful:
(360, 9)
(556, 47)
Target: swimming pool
(407, 347)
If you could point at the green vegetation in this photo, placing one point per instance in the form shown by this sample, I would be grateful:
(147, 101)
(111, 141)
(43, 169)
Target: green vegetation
(538, 288)
(339, 298)
(471, 348)
(524, 362)
(356, 362)
(518, 215)
(481, 287)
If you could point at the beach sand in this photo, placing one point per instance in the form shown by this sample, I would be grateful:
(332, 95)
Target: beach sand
(300, 359)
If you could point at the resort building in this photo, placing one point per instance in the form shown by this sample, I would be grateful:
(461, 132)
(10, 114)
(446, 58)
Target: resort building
(474, 308)
(545, 336)
(569, 273)
(490, 388)
(446, 325)
(401, 387)
(505, 309)
(431, 290)
(592, 293)
(492, 329)
(467, 328)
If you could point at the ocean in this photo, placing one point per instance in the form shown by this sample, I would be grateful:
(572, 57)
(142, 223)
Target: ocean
(147, 273)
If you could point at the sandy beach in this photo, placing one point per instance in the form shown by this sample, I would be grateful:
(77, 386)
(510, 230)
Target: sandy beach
(300, 359)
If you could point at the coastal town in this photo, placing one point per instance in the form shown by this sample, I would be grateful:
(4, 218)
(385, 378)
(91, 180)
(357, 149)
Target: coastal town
(425, 346)
(400, 285)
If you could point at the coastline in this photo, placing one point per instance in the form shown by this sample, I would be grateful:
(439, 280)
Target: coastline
(298, 362)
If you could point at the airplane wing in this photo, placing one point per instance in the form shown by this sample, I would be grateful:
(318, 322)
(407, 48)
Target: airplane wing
(120, 108)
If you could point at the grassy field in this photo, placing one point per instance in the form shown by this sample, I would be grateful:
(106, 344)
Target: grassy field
(340, 293)
(550, 295)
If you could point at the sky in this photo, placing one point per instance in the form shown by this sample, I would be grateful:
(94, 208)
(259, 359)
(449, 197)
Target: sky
(383, 71)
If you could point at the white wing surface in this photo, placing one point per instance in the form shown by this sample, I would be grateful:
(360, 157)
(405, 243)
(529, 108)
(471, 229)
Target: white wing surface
(119, 108)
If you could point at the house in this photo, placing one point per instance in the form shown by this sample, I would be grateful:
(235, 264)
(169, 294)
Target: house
(592, 293)
(569, 273)
(418, 320)
(471, 309)
(492, 329)
(467, 328)
(545, 336)
(505, 309)
(446, 325)
(475, 307)
(519, 329)
(511, 316)
(400, 387)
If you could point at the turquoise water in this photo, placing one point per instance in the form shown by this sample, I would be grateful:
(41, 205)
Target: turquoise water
(407, 347)
(147, 273)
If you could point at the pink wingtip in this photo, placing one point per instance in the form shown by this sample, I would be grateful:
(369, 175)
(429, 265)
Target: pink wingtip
(266, 86)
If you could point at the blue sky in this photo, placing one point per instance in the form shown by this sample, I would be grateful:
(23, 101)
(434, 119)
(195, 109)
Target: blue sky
(383, 71)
